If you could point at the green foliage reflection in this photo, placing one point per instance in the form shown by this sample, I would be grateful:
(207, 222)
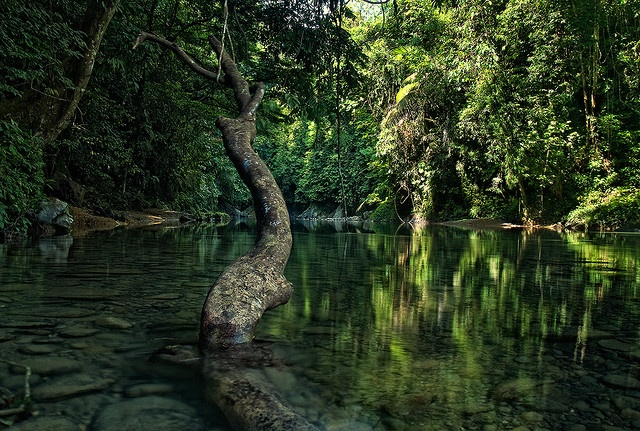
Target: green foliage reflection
(428, 313)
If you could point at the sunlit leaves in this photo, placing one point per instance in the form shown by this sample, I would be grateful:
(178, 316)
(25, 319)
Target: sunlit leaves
(404, 91)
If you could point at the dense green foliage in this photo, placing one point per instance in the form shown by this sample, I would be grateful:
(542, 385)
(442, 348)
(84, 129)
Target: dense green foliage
(34, 41)
(519, 109)
(22, 176)
(525, 110)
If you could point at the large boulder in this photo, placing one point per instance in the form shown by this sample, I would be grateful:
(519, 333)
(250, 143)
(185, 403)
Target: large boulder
(55, 213)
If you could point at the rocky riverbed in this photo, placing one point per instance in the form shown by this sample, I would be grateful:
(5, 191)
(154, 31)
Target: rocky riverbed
(88, 372)
(88, 321)
(76, 382)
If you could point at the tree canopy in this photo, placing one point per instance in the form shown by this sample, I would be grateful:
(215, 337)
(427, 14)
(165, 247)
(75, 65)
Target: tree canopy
(524, 110)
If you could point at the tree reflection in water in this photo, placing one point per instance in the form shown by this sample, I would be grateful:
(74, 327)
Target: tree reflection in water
(451, 325)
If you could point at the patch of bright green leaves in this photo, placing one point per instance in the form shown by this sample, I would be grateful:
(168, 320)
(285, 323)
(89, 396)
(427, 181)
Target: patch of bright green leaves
(613, 209)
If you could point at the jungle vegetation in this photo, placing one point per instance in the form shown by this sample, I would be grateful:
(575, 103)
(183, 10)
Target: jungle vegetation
(522, 110)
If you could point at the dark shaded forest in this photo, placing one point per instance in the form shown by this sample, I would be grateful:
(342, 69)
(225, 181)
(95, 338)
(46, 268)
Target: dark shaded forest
(521, 110)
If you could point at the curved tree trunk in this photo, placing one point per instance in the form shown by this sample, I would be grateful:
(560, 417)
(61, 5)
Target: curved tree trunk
(255, 282)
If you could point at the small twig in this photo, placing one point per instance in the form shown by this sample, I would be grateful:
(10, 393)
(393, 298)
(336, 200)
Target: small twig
(27, 391)
(11, 412)
(27, 387)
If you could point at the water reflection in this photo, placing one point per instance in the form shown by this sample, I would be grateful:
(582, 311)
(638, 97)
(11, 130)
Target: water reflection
(459, 327)
(388, 329)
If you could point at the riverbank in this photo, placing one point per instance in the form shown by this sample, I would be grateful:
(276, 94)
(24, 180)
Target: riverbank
(85, 221)
(493, 224)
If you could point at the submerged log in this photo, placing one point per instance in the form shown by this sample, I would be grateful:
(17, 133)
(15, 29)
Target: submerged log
(237, 384)
(235, 381)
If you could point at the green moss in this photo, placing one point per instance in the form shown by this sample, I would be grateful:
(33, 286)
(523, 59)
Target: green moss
(386, 211)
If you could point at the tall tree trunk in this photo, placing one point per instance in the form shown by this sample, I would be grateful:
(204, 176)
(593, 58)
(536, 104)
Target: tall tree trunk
(96, 20)
(255, 282)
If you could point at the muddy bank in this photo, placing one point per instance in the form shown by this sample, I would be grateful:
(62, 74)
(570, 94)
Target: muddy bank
(492, 224)
(484, 224)
(85, 221)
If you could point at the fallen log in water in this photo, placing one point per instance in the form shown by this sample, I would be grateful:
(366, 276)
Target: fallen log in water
(237, 384)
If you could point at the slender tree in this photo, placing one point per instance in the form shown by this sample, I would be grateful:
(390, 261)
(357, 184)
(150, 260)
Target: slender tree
(48, 103)
(253, 283)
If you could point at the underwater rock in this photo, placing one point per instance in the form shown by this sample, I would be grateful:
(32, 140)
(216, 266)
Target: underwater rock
(113, 322)
(148, 414)
(46, 423)
(621, 381)
(47, 366)
(146, 389)
(67, 387)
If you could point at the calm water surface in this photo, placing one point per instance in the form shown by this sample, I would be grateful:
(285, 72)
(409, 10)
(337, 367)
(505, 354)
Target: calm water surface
(438, 329)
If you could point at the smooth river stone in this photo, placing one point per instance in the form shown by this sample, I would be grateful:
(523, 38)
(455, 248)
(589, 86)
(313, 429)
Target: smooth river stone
(47, 366)
(77, 332)
(145, 389)
(59, 312)
(617, 345)
(621, 381)
(598, 334)
(46, 423)
(113, 322)
(13, 323)
(39, 332)
(148, 414)
(38, 349)
(85, 294)
(68, 387)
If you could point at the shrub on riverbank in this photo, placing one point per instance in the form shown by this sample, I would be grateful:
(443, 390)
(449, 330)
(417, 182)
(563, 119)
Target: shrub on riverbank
(618, 208)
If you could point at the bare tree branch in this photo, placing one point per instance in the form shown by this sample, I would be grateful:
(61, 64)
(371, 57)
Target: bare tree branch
(179, 52)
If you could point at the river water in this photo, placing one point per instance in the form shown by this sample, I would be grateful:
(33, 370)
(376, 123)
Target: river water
(389, 328)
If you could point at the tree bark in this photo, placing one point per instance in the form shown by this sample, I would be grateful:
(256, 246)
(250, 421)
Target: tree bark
(255, 282)
(239, 386)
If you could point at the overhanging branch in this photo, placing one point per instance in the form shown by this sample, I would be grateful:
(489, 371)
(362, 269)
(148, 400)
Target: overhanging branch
(179, 52)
